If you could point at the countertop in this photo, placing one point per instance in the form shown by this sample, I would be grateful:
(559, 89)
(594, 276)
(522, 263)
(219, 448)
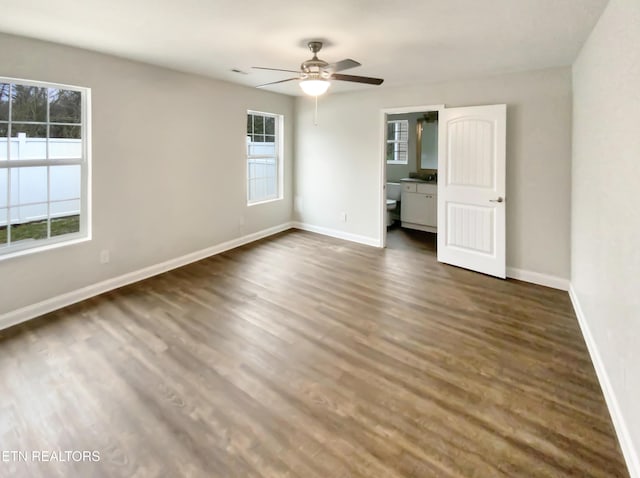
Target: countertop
(416, 180)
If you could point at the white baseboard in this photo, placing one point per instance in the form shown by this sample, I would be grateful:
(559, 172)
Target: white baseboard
(49, 305)
(629, 452)
(347, 236)
(538, 278)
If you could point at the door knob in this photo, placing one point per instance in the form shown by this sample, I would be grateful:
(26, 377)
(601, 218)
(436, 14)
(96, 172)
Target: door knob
(500, 199)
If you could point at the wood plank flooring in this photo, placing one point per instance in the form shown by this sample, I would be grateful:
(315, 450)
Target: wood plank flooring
(306, 356)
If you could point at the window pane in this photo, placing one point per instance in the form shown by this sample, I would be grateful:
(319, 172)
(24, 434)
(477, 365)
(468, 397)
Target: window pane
(29, 230)
(28, 185)
(390, 130)
(260, 189)
(269, 125)
(64, 106)
(64, 142)
(64, 209)
(249, 124)
(65, 224)
(65, 182)
(4, 133)
(28, 103)
(3, 227)
(258, 138)
(3, 188)
(4, 101)
(401, 133)
(29, 130)
(258, 124)
(269, 138)
(29, 141)
(271, 187)
(252, 190)
(260, 169)
(270, 168)
(64, 131)
(262, 149)
(390, 149)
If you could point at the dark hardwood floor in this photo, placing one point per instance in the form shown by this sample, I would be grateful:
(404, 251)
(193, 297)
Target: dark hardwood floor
(307, 356)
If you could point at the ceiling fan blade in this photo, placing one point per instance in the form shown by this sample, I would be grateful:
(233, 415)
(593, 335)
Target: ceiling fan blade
(357, 79)
(273, 69)
(342, 65)
(276, 82)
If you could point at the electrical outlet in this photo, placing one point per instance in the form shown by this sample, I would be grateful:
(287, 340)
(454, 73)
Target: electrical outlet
(343, 216)
(104, 256)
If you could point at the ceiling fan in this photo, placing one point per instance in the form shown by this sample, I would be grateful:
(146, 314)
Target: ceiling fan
(315, 75)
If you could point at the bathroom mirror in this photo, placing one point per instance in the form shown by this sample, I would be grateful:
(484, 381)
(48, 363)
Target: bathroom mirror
(427, 142)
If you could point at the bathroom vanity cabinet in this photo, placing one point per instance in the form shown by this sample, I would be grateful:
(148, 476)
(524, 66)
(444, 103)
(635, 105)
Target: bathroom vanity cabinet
(419, 206)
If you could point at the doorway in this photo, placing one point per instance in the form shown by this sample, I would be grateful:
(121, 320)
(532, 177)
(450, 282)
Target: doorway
(467, 207)
(409, 177)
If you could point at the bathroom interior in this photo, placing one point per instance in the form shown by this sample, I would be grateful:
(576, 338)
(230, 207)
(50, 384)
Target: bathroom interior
(412, 179)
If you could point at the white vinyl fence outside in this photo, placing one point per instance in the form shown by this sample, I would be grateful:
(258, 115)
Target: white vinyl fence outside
(263, 170)
(29, 192)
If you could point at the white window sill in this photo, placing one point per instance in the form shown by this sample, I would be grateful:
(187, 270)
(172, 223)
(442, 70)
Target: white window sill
(397, 162)
(266, 201)
(10, 254)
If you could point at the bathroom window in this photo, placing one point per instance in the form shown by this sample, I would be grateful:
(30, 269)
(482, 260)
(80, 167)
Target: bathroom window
(44, 166)
(398, 142)
(264, 157)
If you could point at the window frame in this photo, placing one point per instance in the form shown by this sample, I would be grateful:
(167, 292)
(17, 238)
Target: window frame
(279, 158)
(84, 233)
(397, 142)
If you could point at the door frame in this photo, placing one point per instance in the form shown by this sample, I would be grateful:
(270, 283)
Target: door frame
(382, 177)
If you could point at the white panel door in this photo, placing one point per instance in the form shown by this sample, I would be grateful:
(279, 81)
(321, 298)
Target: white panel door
(471, 188)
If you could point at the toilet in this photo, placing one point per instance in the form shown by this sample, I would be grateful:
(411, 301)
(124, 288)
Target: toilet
(394, 191)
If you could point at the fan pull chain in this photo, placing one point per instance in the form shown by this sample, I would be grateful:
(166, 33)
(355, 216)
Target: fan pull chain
(315, 114)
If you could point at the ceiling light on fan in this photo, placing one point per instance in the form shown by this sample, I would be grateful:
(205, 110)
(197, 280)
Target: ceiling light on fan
(315, 86)
(315, 75)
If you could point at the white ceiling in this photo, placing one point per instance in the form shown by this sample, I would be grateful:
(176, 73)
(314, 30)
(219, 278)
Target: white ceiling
(403, 42)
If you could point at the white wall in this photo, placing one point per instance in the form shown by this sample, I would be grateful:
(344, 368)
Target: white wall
(605, 235)
(337, 162)
(152, 201)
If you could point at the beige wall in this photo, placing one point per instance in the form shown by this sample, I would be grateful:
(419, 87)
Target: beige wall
(338, 162)
(605, 236)
(153, 200)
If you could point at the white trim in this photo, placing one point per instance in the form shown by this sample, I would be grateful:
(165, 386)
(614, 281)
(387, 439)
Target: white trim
(49, 305)
(347, 236)
(619, 424)
(538, 278)
(64, 240)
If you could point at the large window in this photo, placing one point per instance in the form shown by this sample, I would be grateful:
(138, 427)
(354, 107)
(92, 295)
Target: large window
(397, 142)
(43, 165)
(264, 157)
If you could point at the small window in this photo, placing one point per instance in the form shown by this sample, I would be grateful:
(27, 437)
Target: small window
(43, 165)
(264, 157)
(398, 142)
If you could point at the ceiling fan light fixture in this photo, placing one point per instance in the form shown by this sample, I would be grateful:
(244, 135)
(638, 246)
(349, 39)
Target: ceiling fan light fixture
(315, 86)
